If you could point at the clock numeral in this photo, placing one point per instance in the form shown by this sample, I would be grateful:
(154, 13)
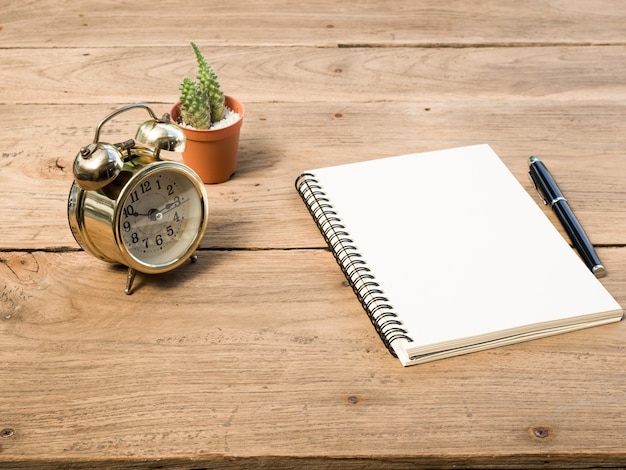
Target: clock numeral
(158, 239)
(129, 210)
(153, 229)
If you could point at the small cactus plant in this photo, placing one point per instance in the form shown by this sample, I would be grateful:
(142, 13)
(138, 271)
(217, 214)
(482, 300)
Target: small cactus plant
(202, 100)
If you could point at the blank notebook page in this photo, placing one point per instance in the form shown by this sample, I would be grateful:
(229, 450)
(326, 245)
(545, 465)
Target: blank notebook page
(460, 248)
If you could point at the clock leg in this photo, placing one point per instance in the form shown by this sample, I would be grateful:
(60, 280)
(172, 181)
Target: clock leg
(130, 277)
(193, 258)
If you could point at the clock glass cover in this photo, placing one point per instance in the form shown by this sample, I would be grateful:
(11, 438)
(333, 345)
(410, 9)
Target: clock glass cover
(161, 217)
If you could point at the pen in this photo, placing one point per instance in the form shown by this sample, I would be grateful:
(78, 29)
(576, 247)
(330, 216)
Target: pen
(550, 193)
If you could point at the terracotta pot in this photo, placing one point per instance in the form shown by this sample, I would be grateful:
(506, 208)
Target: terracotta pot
(212, 153)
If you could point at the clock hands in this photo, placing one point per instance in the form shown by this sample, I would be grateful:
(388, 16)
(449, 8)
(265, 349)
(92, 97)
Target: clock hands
(137, 214)
(157, 214)
(171, 205)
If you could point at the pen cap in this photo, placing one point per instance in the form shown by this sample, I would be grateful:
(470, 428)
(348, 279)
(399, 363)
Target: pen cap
(543, 181)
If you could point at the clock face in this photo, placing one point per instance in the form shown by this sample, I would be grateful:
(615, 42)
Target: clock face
(162, 216)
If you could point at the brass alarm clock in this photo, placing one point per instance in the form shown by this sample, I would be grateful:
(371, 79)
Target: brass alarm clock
(128, 206)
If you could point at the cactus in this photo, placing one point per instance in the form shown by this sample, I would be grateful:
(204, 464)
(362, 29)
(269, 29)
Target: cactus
(195, 110)
(202, 100)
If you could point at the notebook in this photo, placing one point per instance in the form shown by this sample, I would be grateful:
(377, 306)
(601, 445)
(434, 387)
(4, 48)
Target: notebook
(449, 254)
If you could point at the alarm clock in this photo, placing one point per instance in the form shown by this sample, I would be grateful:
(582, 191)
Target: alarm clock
(128, 206)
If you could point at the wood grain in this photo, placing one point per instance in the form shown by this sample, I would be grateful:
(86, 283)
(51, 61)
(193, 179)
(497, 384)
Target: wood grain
(259, 207)
(211, 377)
(96, 75)
(319, 22)
(259, 355)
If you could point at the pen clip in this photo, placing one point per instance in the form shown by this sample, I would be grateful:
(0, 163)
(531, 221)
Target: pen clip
(530, 175)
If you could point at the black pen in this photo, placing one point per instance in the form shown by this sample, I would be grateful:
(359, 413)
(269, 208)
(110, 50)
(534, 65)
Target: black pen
(551, 194)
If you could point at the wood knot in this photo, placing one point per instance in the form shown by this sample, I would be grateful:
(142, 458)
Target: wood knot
(352, 400)
(540, 432)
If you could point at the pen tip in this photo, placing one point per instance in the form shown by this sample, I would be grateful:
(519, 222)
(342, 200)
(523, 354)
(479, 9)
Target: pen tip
(533, 159)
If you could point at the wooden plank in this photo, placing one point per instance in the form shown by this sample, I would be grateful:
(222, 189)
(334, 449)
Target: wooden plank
(96, 75)
(185, 370)
(259, 207)
(259, 355)
(45, 23)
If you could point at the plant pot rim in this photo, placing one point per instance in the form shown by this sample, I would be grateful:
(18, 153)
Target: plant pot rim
(233, 103)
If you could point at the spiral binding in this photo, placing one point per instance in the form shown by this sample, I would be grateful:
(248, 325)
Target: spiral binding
(363, 282)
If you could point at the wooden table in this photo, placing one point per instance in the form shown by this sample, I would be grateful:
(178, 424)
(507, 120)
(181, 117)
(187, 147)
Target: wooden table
(259, 354)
